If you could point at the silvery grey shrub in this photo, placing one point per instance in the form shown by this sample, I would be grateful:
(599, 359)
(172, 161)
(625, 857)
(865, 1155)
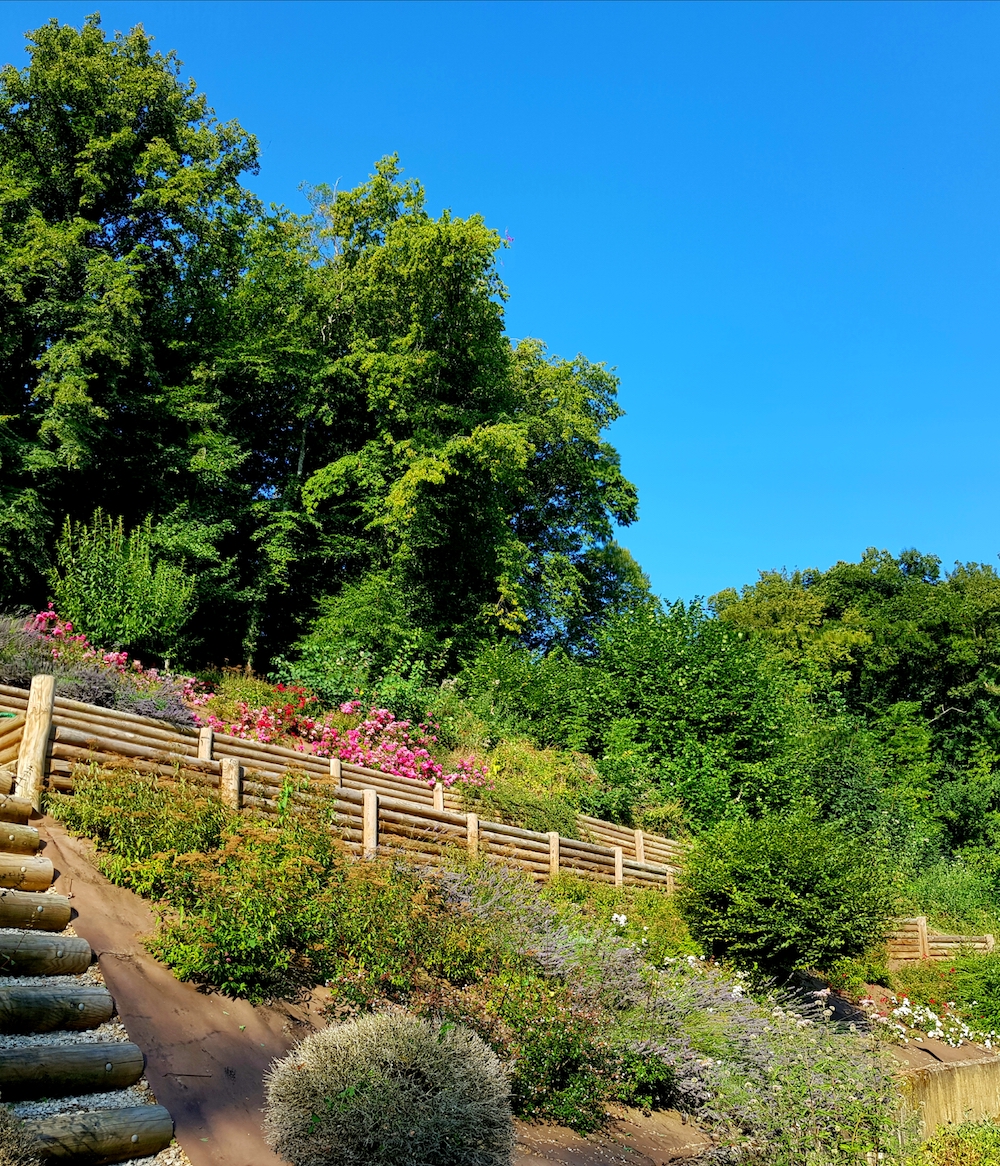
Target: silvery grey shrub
(390, 1090)
(17, 1146)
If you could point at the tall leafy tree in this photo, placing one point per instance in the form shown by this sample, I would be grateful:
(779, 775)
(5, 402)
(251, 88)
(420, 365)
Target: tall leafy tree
(313, 410)
(473, 474)
(120, 237)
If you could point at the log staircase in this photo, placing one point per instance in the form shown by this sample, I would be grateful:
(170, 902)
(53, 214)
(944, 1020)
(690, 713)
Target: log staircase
(59, 1044)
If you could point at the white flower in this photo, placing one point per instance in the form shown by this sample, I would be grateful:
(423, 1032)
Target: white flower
(619, 920)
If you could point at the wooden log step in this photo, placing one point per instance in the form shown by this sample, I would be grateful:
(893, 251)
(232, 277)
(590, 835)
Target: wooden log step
(45, 1008)
(14, 809)
(57, 1070)
(18, 839)
(31, 953)
(102, 1136)
(33, 911)
(26, 872)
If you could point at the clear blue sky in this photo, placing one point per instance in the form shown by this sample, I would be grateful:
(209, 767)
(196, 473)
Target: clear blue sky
(779, 221)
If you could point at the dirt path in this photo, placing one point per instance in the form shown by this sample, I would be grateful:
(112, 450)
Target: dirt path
(206, 1055)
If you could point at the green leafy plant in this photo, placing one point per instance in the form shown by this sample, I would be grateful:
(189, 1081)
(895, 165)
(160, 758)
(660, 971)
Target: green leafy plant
(783, 892)
(969, 1144)
(114, 590)
(390, 1090)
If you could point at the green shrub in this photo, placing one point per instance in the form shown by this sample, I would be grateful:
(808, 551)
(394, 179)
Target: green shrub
(17, 1146)
(970, 1144)
(114, 590)
(653, 921)
(263, 909)
(536, 789)
(390, 1090)
(970, 982)
(782, 892)
(959, 896)
(142, 827)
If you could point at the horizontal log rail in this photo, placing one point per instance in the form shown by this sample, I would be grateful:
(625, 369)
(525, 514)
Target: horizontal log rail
(911, 940)
(372, 811)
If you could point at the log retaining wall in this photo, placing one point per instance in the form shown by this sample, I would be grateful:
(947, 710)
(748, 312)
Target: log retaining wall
(48, 736)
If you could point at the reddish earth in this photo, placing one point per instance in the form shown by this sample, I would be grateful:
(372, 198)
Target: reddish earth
(206, 1054)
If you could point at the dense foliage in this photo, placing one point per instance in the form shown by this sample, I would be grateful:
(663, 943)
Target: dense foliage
(589, 995)
(318, 414)
(784, 891)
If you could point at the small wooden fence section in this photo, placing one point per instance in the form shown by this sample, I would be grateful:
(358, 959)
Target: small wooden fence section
(912, 941)
(50, 735)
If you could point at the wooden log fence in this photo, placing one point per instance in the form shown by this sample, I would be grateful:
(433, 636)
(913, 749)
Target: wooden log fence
(911, 940)
(49, 736)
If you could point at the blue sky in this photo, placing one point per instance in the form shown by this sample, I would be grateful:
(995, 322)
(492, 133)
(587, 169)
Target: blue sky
(780, 223)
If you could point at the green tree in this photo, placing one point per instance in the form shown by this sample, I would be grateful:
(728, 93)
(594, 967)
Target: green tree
(784, 892)
(472, 476)
(121, 234)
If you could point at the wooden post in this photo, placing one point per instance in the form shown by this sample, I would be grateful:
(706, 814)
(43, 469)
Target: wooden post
(670, 881)
(369, 823)
(553, 854)
(206, 742)
(472, 835)
(32, 761)
(640, 847)
(619, 867)
(438, 796)
(337, 772)
(231, 783)
(925, 947)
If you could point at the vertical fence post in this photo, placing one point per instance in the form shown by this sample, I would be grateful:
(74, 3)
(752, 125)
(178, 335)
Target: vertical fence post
(619, 867)
(438, 796)
(337, 772)
(206, 742)
(231, 783)
(670, 881)
(925, 947)
(640, 847)
(553, 854)
(472, 835)
(32, 760)
(369, 823)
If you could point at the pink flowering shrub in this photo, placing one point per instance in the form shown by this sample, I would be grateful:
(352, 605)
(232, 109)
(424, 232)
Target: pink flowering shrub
(377, 740)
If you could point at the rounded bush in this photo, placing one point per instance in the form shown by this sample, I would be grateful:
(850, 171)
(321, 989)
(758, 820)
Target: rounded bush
(783, 892)
(390, 1090)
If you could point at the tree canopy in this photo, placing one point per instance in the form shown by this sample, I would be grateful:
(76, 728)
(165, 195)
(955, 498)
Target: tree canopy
(310, 412)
